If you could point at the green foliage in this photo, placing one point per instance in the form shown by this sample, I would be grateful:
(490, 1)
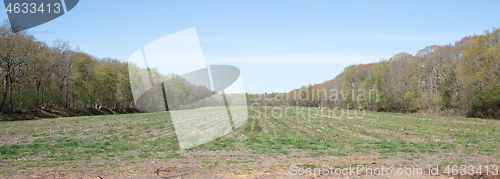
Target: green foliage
(35, 75)
(481, 74)
(411, 96)
(463, 77)
(348, 86)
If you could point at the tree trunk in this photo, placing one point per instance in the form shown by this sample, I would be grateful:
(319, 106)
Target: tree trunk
(5, 84)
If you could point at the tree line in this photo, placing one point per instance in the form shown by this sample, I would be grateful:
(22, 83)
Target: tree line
(462, 78)
(34, 74)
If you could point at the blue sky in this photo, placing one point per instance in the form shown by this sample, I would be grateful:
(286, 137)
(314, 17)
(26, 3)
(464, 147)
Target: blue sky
(278, 45)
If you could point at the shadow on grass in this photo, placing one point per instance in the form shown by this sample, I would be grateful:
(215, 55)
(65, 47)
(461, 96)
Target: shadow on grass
(34, 114)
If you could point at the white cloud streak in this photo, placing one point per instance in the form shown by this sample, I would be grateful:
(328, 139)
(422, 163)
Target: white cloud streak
(296, 59)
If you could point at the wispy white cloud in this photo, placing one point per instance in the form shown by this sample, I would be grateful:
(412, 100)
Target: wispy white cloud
(296, 59)
(224, 41)
(444, 37)
(377, 38)
(295, 39)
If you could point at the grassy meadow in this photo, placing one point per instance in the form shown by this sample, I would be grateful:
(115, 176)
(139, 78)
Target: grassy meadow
(267, 145)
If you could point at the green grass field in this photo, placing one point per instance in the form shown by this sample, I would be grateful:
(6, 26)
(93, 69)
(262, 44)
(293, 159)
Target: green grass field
(268, 142)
